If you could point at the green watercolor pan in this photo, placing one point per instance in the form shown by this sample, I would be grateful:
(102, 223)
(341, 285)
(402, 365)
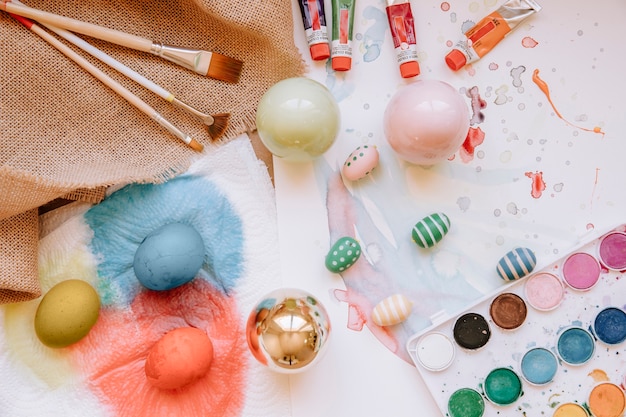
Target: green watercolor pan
(536, 347)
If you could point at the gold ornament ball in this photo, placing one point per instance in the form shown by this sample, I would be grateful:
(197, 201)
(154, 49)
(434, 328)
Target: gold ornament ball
(288, 330)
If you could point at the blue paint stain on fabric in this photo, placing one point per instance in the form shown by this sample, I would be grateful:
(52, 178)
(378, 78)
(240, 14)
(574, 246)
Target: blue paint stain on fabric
(123, 220)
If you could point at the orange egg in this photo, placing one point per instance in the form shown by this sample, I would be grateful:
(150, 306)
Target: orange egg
(179, 358)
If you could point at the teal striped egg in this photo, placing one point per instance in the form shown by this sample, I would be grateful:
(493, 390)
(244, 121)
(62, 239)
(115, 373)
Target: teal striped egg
(430, 230)
(516, 264)
(343, 254)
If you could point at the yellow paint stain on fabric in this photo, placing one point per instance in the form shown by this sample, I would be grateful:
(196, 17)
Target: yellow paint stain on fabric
(52, 366)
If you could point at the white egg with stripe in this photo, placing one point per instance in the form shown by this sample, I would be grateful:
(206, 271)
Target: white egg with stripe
(392, 310)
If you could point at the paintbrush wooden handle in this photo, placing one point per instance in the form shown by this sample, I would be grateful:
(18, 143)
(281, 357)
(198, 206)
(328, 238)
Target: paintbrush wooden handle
(110, 35)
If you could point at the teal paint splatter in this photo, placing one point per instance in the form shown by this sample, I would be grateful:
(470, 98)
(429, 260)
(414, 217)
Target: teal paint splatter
(122, 221)
(374, 37)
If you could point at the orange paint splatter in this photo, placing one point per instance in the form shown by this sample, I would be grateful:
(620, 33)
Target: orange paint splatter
(543, 86)
(598, 375)
(529, 42)
(538, 184)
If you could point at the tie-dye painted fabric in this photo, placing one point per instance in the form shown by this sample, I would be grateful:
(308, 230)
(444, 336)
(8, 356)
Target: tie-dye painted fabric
(223, 196)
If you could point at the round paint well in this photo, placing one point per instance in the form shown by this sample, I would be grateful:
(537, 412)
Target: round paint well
(610, 325)
(539, 366)
(581, 271)
(612, 251)
(471, 331)
(435, 351)
(503, 386)
(544, 291)
(575, 346)
(508, 311)
(607, 400)
(466, 402)
(570, 410)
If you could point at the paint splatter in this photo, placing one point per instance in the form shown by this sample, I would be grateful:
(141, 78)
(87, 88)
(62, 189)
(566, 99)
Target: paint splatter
(516, 74)
(538, 184)
(445, 6)
(463, 203)
(477, 105)
(493, 66)
(529, 42)
(475, 137)
(543, 86)
(374, 37)
(501, 97)
(598, 375)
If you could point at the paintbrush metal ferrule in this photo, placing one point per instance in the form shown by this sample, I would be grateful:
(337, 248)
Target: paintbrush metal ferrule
(193, 59)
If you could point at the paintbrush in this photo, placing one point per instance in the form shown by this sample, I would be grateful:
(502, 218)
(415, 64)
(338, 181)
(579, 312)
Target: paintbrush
(109, 82)
(216, 123)
(211, 64)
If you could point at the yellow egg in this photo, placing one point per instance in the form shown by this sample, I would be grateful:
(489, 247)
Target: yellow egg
(66, 313)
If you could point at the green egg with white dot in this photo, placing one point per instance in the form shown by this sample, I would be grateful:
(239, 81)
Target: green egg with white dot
(343, 254)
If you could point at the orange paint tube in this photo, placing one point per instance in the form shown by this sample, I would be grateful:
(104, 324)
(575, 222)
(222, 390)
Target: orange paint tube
(489, 31)
(402, 28)
(314, 20)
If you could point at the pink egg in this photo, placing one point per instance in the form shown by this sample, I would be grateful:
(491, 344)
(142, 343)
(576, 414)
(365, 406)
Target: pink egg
(360, 163)
(426, 122)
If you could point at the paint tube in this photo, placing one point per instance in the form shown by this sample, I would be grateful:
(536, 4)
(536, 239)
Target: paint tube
(402, 28)
(314, 20)
(489, 31)
(341, 44)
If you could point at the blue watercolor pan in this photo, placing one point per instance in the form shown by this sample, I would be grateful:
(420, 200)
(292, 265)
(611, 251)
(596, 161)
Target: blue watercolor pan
(559, 355)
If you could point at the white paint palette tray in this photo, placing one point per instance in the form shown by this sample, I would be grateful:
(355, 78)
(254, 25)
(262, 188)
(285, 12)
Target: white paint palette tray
(550, 344)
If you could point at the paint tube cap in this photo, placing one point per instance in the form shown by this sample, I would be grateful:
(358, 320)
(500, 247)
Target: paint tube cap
(455, 60)
(319, 51)
(409, 69)
(342, 63)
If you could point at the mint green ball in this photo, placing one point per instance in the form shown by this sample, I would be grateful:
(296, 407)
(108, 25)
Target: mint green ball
(297, 119)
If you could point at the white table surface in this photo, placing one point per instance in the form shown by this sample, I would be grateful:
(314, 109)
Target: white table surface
(579, 51)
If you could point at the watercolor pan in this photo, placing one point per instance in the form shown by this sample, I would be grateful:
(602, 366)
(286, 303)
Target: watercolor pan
(551, 344)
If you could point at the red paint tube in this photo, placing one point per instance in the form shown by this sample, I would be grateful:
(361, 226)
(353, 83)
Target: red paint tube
(402, 28)
(314, 20)
(487, 33)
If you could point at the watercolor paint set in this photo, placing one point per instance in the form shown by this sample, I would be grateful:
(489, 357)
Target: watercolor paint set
(549, 344)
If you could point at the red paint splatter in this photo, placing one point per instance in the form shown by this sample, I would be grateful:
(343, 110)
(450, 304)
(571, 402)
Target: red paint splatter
(445, 6)
(478, 104)
(113, 354)
(475, 137)
(538, 184)
(529, 42)
(493, 66)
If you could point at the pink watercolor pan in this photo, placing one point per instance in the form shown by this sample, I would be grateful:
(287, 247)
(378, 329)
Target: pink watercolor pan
(581, 271)
(612, 251)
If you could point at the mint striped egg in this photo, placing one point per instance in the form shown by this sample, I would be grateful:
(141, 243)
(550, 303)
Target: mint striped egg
(430, 230)
(392, 310)
(516, 264)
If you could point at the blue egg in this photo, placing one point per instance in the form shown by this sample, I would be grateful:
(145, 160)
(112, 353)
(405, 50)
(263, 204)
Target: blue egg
(169, 257)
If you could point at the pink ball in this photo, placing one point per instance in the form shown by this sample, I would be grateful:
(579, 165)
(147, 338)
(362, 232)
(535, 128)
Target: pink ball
(426, 122)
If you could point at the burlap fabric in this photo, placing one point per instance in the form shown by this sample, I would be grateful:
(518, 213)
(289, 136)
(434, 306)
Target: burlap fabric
(61, 129)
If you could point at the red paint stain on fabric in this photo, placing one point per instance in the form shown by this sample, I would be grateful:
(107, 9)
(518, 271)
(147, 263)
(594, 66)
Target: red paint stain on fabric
(528, 42)
(113, 355)
(543, 86)
(538, 184)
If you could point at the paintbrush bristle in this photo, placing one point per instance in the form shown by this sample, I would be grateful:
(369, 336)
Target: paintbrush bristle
(224, 68)
(220, 123)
